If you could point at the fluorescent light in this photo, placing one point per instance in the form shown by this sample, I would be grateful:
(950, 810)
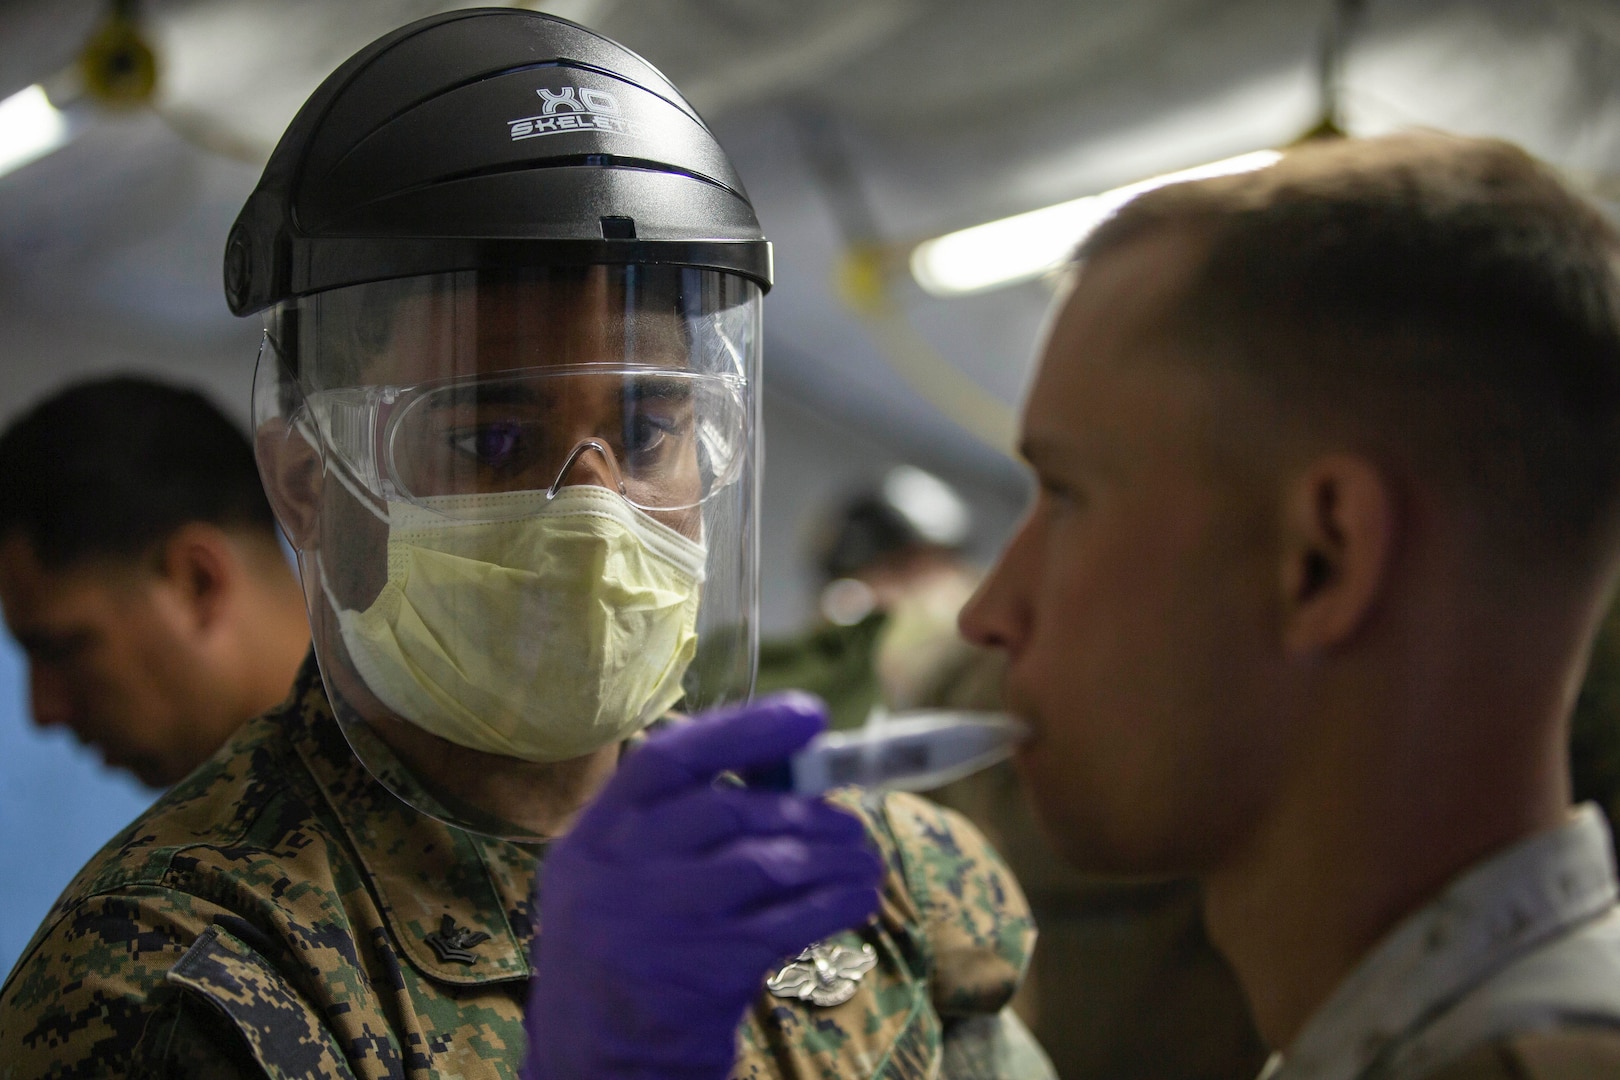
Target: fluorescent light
(30, 128)
(1028, 245)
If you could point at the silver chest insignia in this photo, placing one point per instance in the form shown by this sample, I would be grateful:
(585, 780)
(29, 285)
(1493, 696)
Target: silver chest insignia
(824, 974)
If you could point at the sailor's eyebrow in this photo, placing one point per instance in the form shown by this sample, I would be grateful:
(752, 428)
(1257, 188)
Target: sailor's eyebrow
(493, 393)
(655, 388)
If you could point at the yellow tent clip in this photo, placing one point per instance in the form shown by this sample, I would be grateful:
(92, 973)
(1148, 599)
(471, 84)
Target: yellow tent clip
(118, 67)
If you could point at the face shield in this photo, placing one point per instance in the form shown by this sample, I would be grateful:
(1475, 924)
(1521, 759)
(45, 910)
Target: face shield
(524, 509)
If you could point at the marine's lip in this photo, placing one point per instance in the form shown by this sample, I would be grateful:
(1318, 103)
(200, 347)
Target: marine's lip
(1031, 733)
(1021, 712)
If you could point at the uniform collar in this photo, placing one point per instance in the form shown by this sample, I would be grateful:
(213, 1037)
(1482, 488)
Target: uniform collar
(422, 871)
(1526, 895)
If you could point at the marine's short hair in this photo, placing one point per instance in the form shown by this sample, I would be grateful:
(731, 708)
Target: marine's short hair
(111, 467)
(1445, 299)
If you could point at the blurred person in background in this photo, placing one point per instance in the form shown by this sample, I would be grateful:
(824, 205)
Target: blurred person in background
(1131, 957)
(141, 574)
(893, 578)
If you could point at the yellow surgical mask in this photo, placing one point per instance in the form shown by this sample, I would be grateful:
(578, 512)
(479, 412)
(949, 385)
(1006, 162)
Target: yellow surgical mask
(541, 638)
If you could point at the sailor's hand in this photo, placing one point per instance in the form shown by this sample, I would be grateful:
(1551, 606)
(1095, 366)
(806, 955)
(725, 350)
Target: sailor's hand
(664, 909)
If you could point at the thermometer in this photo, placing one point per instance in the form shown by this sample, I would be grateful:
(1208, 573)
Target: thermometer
(909, 751)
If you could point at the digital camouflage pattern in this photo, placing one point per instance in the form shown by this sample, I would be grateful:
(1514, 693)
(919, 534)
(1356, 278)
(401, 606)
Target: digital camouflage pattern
(281, 913)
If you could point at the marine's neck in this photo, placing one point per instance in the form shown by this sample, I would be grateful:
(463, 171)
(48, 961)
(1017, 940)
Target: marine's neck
(1433, 739)
(1329, 875)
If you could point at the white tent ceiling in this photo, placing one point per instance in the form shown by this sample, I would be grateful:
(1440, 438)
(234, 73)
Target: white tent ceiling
(878, 120)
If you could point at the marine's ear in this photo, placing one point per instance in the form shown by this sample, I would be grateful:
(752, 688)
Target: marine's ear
(1339, 538)
(290, 466)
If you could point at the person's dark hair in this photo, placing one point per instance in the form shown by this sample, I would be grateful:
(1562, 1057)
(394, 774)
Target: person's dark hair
(910, 513)
(110, 468)
(869, 529)
(1445, 299)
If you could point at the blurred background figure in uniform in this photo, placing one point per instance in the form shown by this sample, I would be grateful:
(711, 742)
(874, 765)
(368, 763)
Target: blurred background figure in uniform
(141, 574)
(893, 578)
(1129, 957)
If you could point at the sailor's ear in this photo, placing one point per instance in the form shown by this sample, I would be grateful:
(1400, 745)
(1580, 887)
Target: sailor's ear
(290, 466)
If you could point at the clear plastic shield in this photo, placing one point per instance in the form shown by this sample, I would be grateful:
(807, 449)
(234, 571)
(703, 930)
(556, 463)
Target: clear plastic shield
(524, 507)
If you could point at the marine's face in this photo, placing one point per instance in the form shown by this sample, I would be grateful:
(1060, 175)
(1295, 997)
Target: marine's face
(106, 658)
(1135, 601)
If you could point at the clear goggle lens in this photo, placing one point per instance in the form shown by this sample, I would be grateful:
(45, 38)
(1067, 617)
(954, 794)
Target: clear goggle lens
(663, 439)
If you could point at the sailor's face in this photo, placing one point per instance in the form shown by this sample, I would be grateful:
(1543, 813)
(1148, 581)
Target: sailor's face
(517, 387)
(507, 401)
(517, 407)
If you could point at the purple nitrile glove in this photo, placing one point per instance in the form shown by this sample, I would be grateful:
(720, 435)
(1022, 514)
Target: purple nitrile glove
(665, 907)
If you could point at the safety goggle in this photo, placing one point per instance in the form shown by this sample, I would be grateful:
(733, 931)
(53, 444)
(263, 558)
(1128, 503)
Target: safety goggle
(664, 439)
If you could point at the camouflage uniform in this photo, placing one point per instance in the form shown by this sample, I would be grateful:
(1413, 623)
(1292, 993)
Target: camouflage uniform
(280, 913)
